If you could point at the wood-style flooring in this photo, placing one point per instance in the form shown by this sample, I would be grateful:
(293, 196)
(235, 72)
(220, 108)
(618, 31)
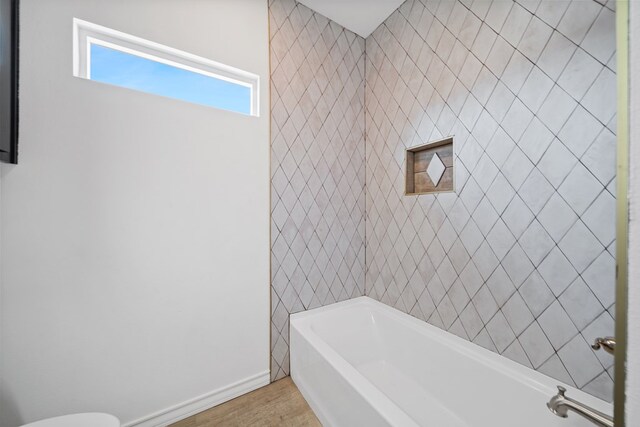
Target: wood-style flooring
(278, 404)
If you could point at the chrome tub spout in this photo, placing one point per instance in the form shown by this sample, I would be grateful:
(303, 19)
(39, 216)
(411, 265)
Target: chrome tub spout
(561, 405)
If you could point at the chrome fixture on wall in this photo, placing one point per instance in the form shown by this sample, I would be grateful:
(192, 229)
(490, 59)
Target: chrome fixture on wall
(561, 405)
(608, 344)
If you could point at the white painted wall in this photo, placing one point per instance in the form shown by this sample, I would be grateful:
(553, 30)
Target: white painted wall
(360, 16)
(135, 230)
(633, 352)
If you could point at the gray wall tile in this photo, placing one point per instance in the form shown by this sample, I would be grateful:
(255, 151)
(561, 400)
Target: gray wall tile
(519, 259)
(317, 189)
(528, 91)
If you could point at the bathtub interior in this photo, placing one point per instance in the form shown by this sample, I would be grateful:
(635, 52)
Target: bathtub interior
(431, 374)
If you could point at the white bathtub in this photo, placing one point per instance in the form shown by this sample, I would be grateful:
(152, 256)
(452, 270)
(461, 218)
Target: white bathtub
(362, 363)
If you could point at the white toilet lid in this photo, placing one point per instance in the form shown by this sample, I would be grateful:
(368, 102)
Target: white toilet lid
(78, 420)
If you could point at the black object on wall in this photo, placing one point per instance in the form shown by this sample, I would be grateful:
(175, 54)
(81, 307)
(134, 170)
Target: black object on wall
(9, 81)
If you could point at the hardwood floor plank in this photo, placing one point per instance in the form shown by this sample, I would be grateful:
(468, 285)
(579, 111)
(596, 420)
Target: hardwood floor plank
(278, 404)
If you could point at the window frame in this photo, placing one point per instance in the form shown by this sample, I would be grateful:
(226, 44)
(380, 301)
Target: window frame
(87, 34)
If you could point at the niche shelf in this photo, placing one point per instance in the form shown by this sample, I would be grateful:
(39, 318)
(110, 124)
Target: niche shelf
(430, 168)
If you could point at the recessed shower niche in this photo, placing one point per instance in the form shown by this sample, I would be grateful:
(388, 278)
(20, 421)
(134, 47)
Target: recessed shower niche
(430, 168)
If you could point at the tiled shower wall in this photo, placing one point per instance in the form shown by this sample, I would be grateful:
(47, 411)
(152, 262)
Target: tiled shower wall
(520, 258)
(317, 166)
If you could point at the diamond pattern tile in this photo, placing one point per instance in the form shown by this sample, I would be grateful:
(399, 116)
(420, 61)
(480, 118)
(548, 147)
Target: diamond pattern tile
(318, 167)
(436, 169)
(518, 258)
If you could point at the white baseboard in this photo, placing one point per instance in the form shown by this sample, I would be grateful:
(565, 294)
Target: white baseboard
(201, 403)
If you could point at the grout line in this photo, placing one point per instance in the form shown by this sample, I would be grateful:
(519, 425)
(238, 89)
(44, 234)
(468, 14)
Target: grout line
(382, 156)
(484, 238)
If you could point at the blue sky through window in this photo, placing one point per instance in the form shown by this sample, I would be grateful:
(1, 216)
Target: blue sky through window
(122, 69)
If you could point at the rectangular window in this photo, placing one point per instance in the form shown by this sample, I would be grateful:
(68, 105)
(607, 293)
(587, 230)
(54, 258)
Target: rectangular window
(112, 57)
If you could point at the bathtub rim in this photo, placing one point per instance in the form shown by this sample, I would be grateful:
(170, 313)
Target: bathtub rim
(379, 402)
(538, 381)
